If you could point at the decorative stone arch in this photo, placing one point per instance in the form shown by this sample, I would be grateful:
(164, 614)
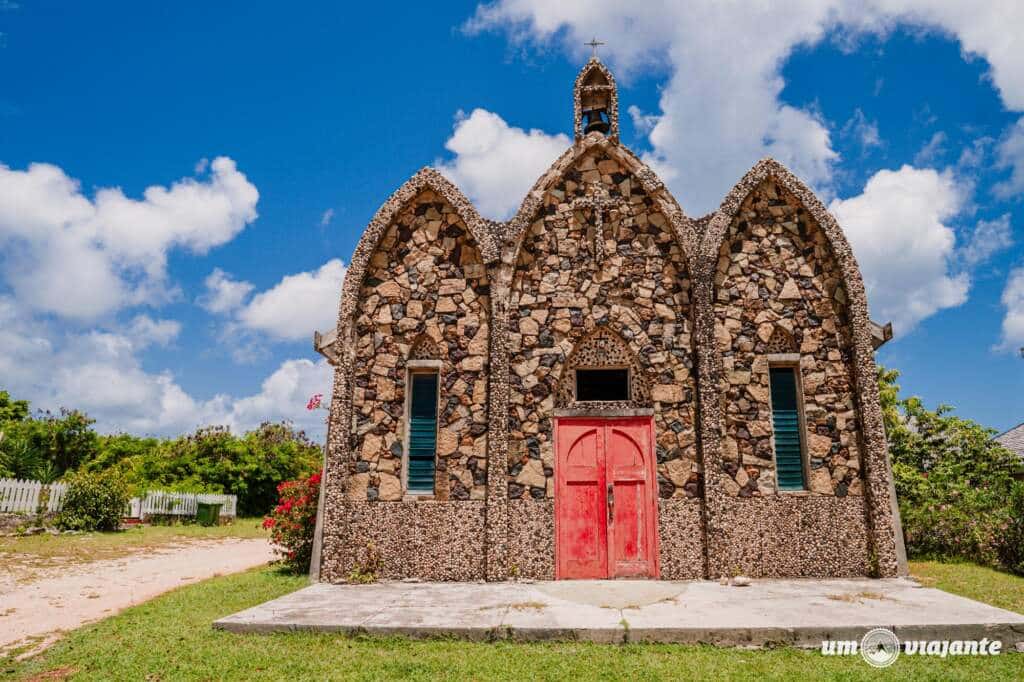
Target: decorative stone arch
(883, 515)
(603, 347)
(781, 341)
(424, 348)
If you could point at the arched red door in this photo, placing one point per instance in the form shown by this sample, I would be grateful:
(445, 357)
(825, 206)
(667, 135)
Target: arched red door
(605, 502)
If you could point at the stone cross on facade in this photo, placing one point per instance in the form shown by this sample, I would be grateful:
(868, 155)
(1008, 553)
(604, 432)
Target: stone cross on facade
(599, 202)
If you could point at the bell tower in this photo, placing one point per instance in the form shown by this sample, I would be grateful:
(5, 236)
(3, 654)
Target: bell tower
(595, 101)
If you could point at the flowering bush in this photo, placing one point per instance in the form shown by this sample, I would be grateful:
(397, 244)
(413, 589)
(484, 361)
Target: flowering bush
(293, 520)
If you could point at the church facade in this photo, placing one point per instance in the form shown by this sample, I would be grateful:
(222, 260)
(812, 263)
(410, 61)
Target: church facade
(603, 386)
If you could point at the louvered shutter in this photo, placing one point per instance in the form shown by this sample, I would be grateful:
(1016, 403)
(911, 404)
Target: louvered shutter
(422, 433)
(786, 422)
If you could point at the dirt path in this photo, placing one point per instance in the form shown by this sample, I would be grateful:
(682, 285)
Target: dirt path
(35, 613)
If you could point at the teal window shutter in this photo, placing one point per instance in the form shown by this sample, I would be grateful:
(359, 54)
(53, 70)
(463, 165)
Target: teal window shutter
(422, 432)
(786, 423)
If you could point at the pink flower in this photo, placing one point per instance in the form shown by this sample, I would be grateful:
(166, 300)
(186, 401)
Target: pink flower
(315, 401)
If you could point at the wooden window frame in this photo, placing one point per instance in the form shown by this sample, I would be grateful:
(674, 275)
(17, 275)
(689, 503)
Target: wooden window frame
(413, 367)
(790, 361)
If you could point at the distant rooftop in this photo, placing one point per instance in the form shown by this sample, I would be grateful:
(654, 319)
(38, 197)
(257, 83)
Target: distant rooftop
(1013, 440)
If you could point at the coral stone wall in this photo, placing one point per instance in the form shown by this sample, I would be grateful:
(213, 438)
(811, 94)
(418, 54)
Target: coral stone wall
(600, 255)
(428, 540)
(425, 295)
(779, 290)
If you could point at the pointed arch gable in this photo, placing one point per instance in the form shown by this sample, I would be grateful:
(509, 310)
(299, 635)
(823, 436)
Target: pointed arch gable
(717, 229)
(424, 179)
(683, 228)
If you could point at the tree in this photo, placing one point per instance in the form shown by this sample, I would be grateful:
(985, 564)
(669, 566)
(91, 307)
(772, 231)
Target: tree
(953, 481)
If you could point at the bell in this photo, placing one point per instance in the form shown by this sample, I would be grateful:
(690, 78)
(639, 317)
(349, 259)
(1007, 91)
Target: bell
(596, 119)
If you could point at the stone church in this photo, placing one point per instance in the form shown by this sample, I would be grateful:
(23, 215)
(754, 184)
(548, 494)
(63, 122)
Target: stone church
(604, 386)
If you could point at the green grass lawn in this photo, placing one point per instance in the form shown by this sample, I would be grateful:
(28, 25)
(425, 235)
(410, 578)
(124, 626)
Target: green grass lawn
(28, 554)
(974, 582)
(170, 638)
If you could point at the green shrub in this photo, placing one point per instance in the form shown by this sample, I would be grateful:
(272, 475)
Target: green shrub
(1011, 544)
(214, 460)
(94, 501)
(954, 483)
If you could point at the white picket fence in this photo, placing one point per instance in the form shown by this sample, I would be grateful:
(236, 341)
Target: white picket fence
(160, 503)
(23, 497)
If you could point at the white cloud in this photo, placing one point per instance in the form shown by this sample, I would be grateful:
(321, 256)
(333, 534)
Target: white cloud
(1010, 154)
(932, 151)
(298, 305)
(495, 164)
(82, 258)
(223, 293)
(721, 108)
(100, 372)
(283, 395)
(326, 217)
(643, 122)
(989, 237)
(1013, 301)
(906, 250)
(865, 132)
(145, 331)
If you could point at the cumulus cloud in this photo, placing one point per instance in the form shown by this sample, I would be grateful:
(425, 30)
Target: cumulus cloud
(298, 305)
(1013, 301)
(721, 108)
(100, 371)
(223, 293)
(496, 164)
(899, 229)
(82, 258)
(146, 331)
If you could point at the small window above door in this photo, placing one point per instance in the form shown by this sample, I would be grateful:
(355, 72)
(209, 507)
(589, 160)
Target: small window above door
(604, 385)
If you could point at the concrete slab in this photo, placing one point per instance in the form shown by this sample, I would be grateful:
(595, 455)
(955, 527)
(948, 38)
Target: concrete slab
(769, 612)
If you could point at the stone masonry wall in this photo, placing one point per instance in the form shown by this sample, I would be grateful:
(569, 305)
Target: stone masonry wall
(599, 254)
(778, 290)
(425, 294)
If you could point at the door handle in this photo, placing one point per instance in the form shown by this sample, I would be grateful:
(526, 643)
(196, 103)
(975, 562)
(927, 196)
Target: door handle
(611, 504)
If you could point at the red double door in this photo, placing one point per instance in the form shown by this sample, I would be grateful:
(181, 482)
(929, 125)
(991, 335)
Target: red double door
(605, 498)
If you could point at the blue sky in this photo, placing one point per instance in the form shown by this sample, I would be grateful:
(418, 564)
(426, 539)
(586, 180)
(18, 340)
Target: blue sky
(227, 156)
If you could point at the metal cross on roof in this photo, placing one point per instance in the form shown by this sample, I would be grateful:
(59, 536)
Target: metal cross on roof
(594, 44)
